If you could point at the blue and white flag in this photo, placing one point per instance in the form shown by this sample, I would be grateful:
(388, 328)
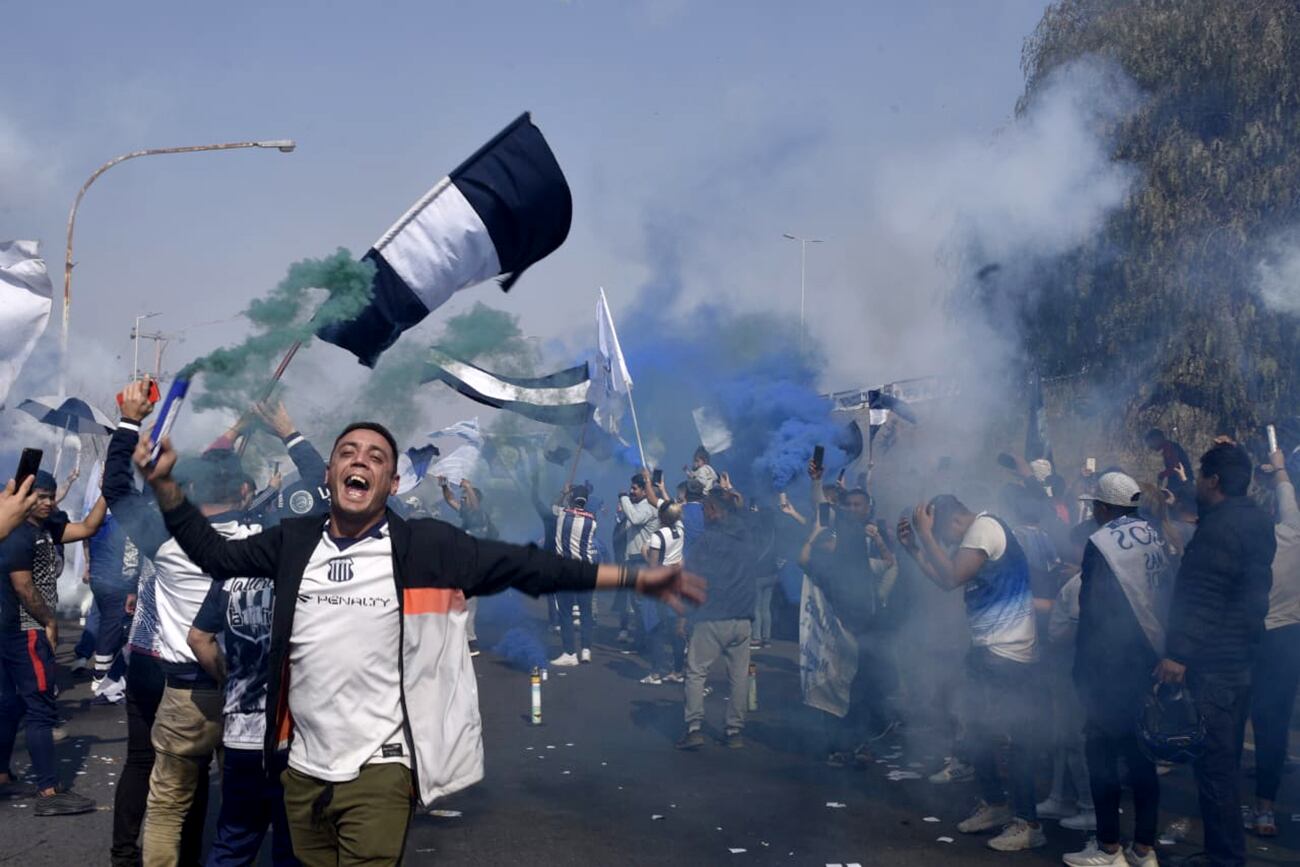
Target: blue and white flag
(467, 430)
(505, 208)
(560, 398)
(413, 466)
(25, 293)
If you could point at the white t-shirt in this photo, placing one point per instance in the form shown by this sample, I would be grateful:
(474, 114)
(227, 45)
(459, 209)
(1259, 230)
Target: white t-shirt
(999, 605)
(669, 542)
(345, 689)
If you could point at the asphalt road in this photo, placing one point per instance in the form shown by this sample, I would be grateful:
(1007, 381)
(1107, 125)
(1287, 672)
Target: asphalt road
(599, 783)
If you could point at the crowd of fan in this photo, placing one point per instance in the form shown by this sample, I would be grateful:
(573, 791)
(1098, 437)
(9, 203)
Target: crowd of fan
(1079, 596)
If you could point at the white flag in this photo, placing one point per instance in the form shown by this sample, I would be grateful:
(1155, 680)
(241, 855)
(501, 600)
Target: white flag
(611, 384)
(25, 293)
(458, 465)
(715, 436)
(467, 430)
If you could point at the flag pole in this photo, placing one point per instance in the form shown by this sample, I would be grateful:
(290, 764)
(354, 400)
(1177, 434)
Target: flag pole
(582, 440)
(270, 386)
(631, 404)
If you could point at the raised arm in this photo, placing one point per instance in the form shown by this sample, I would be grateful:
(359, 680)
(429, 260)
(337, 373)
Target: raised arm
(948, 572)
(446, 493)
(16, 503)
(138, 514)
(255, 556)
(89, 525)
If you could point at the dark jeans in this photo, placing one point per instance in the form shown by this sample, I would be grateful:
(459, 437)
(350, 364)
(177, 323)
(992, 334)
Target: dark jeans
(144, 689)
(566, 602)
(251, 801)
(1223, 702)
(1005, 702)
(1104, 751)
(110, 636)
(871, 705)
(667, 650)
(27, 689)
(1277, 671)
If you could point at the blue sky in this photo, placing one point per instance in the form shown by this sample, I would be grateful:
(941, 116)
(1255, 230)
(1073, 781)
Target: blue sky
(692, 133)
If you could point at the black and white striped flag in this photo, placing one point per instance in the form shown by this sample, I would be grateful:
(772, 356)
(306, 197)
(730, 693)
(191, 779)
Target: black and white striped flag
(505, 208)
(560, 398)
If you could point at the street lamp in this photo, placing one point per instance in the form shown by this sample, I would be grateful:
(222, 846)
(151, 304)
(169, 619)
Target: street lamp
(135, 337)
(283, 145)
(803, 266)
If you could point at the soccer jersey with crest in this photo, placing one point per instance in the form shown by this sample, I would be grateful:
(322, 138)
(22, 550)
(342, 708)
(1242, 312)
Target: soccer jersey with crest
(344, 690)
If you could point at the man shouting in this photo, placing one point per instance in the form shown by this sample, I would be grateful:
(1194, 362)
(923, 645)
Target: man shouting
(371, 687)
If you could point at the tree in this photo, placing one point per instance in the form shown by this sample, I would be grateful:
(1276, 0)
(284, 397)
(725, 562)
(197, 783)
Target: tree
(1164, 308)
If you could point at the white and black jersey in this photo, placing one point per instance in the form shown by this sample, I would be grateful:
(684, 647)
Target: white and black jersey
(669, 542)
(575, 534)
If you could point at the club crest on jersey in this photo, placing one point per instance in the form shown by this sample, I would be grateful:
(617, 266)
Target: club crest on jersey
(340, 570)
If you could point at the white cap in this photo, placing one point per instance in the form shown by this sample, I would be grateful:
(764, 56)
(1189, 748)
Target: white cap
(1116, 489)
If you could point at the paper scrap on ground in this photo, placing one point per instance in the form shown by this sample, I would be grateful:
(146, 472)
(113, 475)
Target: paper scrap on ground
(903, 775)
(930, 819)
(655, 817)
(445, 814)
(736, 851)
(836, 805)
(945, 839)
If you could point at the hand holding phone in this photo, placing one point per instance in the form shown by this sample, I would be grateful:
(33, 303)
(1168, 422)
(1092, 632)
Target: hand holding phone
(28, 464)
(819, 456)
(658, 477)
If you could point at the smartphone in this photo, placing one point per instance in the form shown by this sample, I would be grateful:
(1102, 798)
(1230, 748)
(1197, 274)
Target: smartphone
(824, 514)
(657, 477)
(783, 498)
(841, 475)
(819, 455)
(1090, 465)
(28, 463)
(154, 397)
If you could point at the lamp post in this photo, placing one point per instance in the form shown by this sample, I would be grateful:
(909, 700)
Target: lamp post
(135, 338)
(284, 146)
(803, 267)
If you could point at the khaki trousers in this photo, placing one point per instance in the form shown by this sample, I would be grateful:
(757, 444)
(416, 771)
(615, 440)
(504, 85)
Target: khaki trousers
(186, 733)
(360, 822)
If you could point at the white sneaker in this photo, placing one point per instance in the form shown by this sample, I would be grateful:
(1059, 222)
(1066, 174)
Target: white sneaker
(1093, 855)
(1084, 821)
(585, 656)
(1053, 808)
(954, 771)
(1020, 835)
(985, 818)
(565, 660)
(1136, 860)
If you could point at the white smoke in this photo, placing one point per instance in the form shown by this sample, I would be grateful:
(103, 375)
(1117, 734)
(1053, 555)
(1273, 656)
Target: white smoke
(1277, 275)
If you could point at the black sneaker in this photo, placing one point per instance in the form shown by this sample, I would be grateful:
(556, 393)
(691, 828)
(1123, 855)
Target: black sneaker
(64, 804)
(735, 741)
(473, 648)
(692, 740)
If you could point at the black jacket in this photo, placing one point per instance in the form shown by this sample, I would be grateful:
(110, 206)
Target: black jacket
(430, 557)
(1221, 594)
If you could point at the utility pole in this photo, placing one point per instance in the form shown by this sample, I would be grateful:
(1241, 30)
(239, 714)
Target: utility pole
(160, 342)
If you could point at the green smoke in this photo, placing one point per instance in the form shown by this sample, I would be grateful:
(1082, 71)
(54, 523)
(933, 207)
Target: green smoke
(484, 333)
(235, 376)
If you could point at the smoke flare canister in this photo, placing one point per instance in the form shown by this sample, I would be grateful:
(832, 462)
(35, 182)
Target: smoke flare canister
(753, 687)
(536, 681)
(1272, 439)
